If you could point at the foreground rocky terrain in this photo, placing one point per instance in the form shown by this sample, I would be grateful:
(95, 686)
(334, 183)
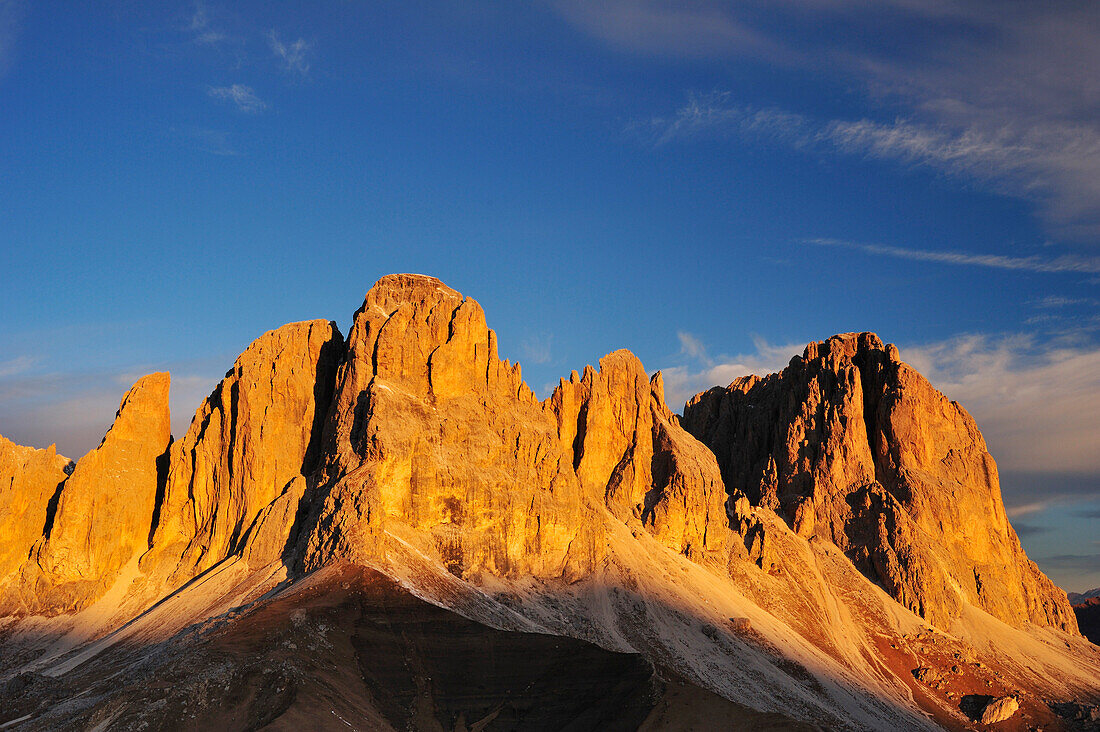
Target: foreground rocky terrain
(391, 531)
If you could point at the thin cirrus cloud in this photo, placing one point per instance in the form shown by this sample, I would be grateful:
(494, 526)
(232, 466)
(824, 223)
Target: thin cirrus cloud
(201, 29)
(239, 94)
(293, 55)
(1061, 264)
(688, 29)
(1004, 95)
(1057, 165)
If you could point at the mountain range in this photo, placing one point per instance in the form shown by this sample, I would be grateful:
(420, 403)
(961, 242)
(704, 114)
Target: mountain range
(389, 530)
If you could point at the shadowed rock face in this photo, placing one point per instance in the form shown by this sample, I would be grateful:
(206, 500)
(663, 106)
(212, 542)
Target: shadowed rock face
(853, 446)
(1088, 618)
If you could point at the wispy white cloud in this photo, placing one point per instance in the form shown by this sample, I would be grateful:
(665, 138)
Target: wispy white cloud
(672, 29)
(1052, 163)
(1051, 302)
(294, 55)
(1026, 509)
(74, 410)
(692, 347)
(200, 28)
(537, 348)
(1036, 402)
(15, 366)
(1062, 263)
(716, 114)
(215, 142)
(243, 96)
(1034, 398)
(702, 371)
(1003, 97)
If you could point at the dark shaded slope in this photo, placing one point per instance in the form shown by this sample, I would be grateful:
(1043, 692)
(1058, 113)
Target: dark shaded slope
(350, 649)
(1088, 618)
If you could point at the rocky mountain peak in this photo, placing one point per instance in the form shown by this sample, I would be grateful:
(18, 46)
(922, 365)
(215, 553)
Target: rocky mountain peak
(851, 445)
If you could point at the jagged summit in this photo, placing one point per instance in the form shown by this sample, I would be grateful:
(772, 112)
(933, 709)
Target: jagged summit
(726, 549)
(851, 445)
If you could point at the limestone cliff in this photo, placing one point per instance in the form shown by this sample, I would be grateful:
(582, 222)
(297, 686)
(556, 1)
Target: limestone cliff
(103, 512)
(313, 449)
(29, 480)
(851, 445)
(631, 454)
(747, 561)
(429, 428)
(249, 441)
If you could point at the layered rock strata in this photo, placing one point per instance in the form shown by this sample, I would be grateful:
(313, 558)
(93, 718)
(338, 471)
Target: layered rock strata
(851, 445)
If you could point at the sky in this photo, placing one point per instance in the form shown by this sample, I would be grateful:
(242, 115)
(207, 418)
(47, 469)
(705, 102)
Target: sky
(710, 184)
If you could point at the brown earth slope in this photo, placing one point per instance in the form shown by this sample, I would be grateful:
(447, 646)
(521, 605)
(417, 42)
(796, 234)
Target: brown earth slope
(350, 649)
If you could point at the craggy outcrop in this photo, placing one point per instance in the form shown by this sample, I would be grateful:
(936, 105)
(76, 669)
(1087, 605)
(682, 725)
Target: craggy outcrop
(430, 429)
(250, 440)
(851, 445)
(631, 454)
(103, 512)
(29, 481)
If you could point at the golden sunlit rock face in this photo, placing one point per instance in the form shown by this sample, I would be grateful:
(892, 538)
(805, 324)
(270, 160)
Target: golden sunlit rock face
(250, 443)
(430, 429)
(314, 449)
(104, 510)
(29, 479)
(851, 445)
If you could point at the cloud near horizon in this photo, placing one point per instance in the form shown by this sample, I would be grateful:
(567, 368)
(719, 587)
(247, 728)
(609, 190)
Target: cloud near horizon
(703, 372)
(74, 410)
(1035, 402)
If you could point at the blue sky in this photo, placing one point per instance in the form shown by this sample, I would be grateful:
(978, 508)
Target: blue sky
(710, 187)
